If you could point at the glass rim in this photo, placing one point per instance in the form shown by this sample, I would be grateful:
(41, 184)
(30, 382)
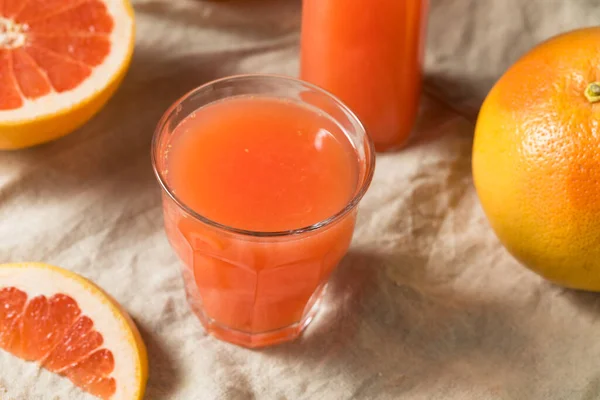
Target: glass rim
(350, 205)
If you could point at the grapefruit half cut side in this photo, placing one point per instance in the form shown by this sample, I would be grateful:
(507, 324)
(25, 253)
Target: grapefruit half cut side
(69, 326)
(60, 61)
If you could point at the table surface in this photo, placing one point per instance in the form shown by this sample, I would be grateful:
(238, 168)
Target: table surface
(427, 305)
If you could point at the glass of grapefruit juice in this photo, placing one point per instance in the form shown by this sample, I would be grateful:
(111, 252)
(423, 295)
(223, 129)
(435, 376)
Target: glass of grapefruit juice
(261, 178)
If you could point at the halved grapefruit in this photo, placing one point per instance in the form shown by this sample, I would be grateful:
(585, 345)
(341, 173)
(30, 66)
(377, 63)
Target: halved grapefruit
(71, 327)
(60, 61)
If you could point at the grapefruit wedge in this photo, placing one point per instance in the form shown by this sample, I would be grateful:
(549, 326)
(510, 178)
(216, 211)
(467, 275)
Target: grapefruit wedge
(60, 61)
(71, 327)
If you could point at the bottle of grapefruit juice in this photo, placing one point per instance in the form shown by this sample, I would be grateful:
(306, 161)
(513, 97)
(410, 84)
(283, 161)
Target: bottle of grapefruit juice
(369, 54)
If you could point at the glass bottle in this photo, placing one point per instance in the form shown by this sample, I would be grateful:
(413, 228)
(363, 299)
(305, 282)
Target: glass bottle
(368, 53)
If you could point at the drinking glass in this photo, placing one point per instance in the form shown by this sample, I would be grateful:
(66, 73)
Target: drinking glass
(258, 288)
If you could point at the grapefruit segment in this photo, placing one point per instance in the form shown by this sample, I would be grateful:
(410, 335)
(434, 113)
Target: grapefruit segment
(12, 7)
(37, 9)
(88, 17)
(13, 302)
(60, 61)
(10, 97)
(31, 79)
(91, 374)
(88, 49)
(44, 322)
(64, 73)
(70, 327)
(79, 341)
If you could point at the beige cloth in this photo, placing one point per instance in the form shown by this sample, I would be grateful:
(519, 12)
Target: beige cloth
(427, 305)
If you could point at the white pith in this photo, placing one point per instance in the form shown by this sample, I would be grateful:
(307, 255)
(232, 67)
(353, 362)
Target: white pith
(100, 78)
(108, 322)
(12, 35)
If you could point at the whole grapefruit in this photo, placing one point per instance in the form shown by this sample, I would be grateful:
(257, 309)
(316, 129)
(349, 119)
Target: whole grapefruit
(536, 159)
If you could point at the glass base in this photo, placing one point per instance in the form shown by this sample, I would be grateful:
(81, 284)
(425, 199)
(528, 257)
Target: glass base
(250, 339)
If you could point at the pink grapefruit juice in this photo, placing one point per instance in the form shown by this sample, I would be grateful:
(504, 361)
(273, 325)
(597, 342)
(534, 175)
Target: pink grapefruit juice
(254, 166)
